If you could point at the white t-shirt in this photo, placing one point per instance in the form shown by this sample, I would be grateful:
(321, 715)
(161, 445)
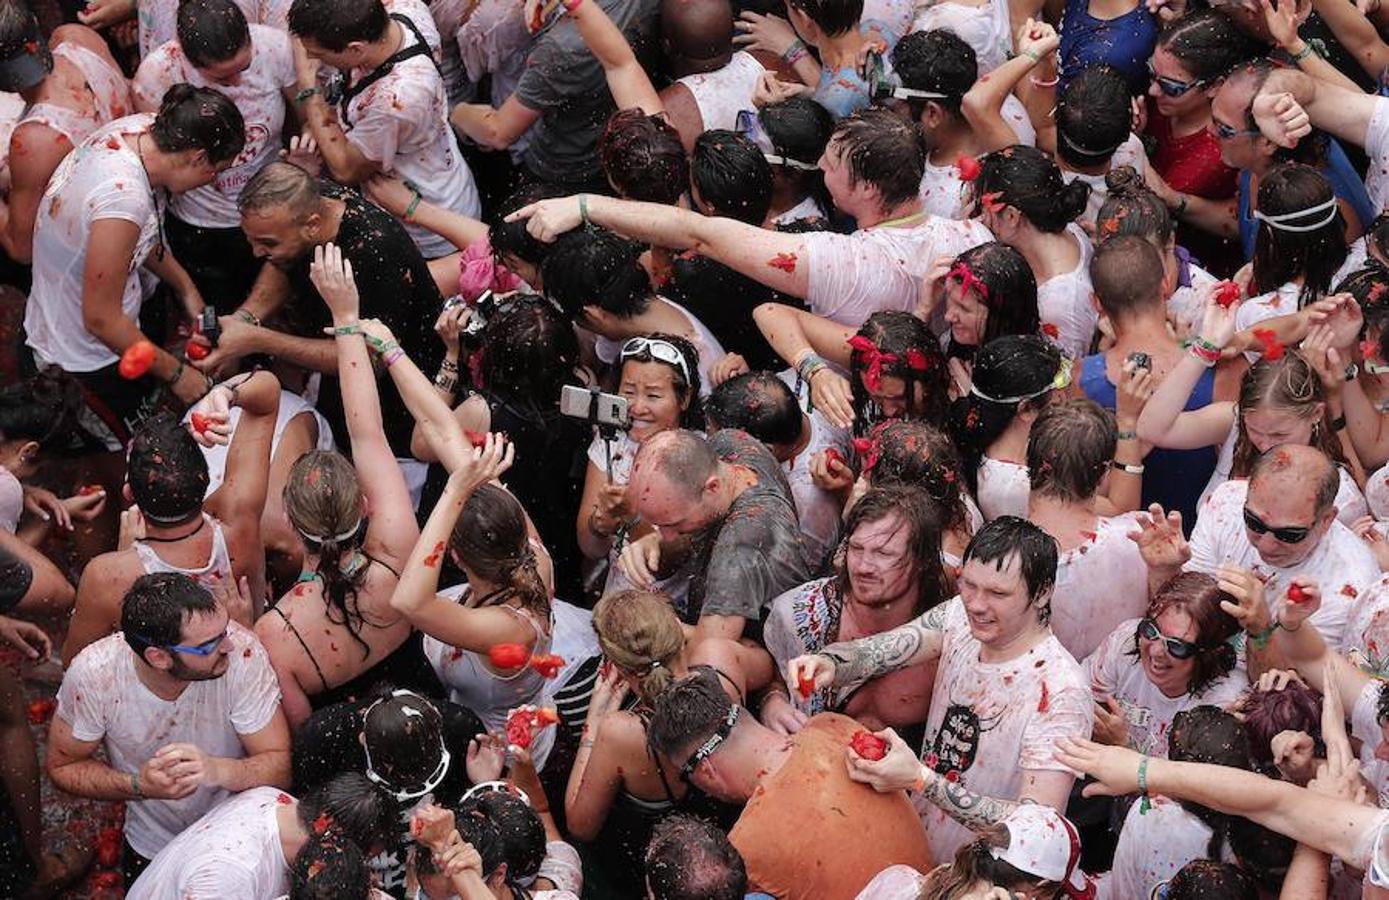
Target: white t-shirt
(710, 350)
(986, 28)
(991, 722)
(1282, 302)
(819, 510)
(808, 208)
(1377, 147)
(1152, 848)
(11, 500)
(1148, 711)
(855, 275)
(1099, 584)
(233, 851)
(1350, 502)
(723, 93)
(1342, 566)
(158, 22)
(1365, 727)
(1068, 315)
(1130, 153)
(401, 122)
(1367, 632)
(1003, 488)
(101, 179)
(291, 405)
(257, 94)
(624, 451)
(103, 699)
(1184, 306)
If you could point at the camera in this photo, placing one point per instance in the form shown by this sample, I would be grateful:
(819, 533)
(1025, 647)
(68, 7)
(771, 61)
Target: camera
(470, 335)
(1140, 360)
(208, 325)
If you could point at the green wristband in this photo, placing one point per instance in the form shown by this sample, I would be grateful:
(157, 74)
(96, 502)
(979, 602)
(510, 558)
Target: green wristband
(1261, 639)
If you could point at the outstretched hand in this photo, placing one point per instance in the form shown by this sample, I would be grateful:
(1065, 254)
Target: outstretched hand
(331, 274)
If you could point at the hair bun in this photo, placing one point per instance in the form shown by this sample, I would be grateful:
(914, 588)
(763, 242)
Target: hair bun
(1124, 181)
(1072, 200)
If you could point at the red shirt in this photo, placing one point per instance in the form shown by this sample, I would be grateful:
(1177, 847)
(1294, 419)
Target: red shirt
(1190, 164)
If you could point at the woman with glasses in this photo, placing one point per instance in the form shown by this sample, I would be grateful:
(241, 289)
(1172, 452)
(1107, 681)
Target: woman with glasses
(659, 379)
(1281, 401)
(1192, 54)
(618, 789)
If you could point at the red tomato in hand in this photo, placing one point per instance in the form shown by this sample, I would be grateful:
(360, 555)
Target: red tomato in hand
(1296, 594)
(200, 422)
(547, 664)
(195, 351)
(868, 745)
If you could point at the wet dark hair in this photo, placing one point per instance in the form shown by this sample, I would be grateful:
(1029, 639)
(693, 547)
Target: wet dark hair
(1280, 256)
(922, 518)
(759, 403)
(834, 17)
(880, 149)
(351, 805)
(486, 839)
(1026, 179)
(908, 339)
(1207, 43)
(211, 31)
(492, 540)
(595, 267)
(1208, 734)
(529, 351)
(938, 61)
(686, 714)
(1008, 536)
(333, 24)
(1006, 367)
(799, 129)
(643, 157)
(1126, 274)
(1069, 449)
(731, 176)
(920, 455)
(1263, 853)
(1199, 596)
(1009, 290)
(1369, 285)
(1288, 384)
(194, 118)
(1132, 208)
(520, 832)
(1377, 240)
(693, 411)
(1093, 114)
(1203, 879)
(329, 867)
(1268, 713)
(403, 733)
(42, 408)
(166, 471)
(156, 606)
(691, 859)
(512, 238)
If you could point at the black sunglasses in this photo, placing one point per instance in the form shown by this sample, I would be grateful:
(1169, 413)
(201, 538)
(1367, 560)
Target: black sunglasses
(1176, 647)
(1282, 535)
(1171, 87)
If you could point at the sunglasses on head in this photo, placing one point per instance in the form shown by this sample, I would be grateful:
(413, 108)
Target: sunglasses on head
(1176, 647)
(715, 741)
(1172, 87)
(657, 349)
(1292, 535)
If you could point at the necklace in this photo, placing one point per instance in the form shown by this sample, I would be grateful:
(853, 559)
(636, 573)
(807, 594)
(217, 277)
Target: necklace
(171, 540)
(900, 220)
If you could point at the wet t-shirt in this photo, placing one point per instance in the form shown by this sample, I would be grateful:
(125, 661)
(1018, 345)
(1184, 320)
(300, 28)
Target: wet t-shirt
(755, 552)
(395, 286)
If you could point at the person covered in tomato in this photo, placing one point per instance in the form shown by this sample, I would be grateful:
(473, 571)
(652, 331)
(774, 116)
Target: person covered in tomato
(618, 790)
(659, 376)
(889, 574)
(71, 86)
(796, 786)
(1005, 691)
(98, 225)
(186, 705)
(252, 65)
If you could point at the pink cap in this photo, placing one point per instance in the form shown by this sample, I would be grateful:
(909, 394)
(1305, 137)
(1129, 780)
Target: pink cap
(1042, 842)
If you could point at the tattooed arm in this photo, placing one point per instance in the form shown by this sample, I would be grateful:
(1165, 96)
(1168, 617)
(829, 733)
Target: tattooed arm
(971, 810)
(854, 662)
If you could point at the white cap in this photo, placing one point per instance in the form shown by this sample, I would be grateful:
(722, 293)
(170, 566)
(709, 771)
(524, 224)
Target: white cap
(1043, 843)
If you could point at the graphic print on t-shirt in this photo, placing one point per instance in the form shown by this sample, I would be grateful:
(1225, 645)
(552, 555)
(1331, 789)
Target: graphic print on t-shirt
(956, 743)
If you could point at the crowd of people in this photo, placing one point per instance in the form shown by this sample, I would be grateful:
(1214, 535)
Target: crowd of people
(696, 449)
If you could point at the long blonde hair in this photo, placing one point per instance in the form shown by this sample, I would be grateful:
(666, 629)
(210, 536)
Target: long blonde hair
(641, 635)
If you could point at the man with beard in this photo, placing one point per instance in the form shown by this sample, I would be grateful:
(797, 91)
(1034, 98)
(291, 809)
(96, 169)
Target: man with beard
(889, 574)
(285, 213)
(186, 706)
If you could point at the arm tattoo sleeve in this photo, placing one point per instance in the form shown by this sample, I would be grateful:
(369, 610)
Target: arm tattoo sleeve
(971, 810)
(879, 654)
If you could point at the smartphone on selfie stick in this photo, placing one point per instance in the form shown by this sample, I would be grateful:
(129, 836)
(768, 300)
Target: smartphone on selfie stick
(605, 412)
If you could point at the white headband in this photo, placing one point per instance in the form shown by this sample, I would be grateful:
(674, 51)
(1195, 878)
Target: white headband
(1280, 222)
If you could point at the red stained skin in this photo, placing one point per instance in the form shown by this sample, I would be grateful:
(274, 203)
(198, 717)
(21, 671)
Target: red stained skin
(432, 560)
(868, 745)
(1272, 347)
(136, 360)
(87, 490)
(786, 262)
(476, 438)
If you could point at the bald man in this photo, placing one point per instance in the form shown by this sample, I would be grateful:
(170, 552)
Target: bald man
(723, 513)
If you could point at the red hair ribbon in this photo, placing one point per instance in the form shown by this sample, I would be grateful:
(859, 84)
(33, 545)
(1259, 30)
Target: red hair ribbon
(968, 280)
(1272, 347)
(872, 358)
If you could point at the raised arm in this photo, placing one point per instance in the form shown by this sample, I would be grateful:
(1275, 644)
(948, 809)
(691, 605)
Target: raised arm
(1356, 33)
(392, 529)
(1333, 108)
(345, 162)
(982, 105)
(768, 257)
(627, 80)
(1163, 422)
(403, 202)
(799, 336)
(1304, 649)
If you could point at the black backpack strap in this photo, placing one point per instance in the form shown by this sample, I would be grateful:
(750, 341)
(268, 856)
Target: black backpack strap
(419, 48)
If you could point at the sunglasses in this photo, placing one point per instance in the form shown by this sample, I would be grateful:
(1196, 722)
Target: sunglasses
(663, 351)
(1176, 647)
(1171, 87)
(1226, 132)
(715, 741)
(206, 648)
(1295, 535)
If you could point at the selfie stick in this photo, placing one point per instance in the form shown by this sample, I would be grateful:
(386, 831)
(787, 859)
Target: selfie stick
(607, 432)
